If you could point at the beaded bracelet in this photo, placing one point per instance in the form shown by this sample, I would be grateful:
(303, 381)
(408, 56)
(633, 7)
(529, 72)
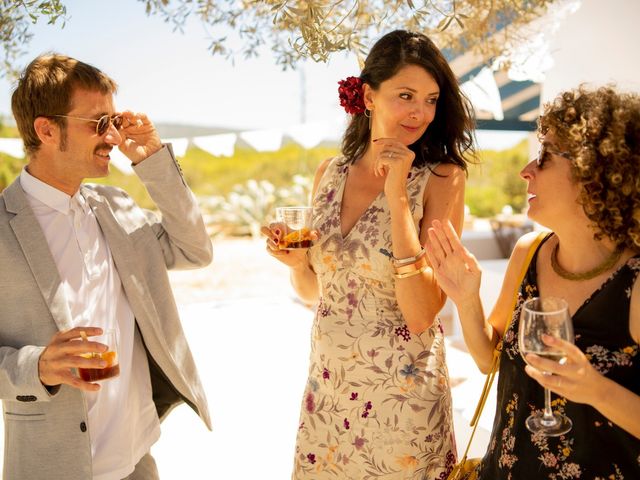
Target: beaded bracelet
(398, 262)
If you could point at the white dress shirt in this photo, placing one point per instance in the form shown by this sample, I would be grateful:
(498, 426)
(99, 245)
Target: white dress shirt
(122, 418)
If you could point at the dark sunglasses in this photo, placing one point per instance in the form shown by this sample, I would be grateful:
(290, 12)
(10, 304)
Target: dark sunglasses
(545, 151)
(102, 124)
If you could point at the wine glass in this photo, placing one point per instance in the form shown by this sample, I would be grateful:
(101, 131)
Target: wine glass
(545, 316)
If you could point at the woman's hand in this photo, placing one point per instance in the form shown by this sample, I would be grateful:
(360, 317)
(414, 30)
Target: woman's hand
(575, 379)
(393, 161)
(457, 270)
(294, 258)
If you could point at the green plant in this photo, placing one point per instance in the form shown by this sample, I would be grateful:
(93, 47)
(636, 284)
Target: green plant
(496, 181)
(236, 204)
(9, 169)
(250, 205)
(7, 131)
(209, 175)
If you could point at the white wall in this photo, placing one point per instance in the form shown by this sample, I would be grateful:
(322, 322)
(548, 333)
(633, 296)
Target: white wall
(597, 44)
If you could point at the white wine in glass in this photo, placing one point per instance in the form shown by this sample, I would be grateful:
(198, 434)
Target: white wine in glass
(545, 316)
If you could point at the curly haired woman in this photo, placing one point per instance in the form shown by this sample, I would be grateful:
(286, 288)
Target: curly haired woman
(585, 187)
(377, 402)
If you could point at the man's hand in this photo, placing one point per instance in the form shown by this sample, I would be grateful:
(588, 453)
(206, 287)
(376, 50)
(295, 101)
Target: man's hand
(63, 354)
(139, 137)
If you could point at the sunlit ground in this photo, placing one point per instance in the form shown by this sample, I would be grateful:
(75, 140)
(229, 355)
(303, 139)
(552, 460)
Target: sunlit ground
(250, 339)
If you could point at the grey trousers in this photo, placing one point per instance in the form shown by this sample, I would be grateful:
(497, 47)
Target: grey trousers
(146, 469)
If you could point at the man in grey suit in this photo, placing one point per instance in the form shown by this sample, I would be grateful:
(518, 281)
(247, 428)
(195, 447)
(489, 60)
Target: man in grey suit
(78, 259)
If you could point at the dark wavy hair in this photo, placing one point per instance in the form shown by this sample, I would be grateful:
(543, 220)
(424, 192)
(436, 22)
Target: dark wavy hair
(599, 130)
(450, 134)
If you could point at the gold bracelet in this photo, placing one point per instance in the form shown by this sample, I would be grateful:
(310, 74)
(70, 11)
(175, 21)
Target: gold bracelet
(398, 262)
(411, 274)
(412, 267)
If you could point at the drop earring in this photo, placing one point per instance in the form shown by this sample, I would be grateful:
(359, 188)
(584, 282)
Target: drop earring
(367, 113)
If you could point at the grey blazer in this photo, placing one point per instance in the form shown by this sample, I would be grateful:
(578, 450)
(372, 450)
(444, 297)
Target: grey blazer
(46, 433)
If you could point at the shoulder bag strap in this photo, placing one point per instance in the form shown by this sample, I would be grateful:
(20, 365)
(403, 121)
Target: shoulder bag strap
(498, 348)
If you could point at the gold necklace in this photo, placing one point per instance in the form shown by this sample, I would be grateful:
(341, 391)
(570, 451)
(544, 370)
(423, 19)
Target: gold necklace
(609, 262)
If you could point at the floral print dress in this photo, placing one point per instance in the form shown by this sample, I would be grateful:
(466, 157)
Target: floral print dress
(595, 448)
(377, 403)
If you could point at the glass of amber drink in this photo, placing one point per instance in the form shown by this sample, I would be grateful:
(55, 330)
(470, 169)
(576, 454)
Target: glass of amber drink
(112, 368)
(296, 222)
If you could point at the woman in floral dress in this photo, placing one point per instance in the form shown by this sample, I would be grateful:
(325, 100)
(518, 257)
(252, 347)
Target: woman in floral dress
(585, 186)
(377, 402)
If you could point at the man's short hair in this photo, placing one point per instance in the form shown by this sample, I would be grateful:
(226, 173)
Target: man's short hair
(46, 87)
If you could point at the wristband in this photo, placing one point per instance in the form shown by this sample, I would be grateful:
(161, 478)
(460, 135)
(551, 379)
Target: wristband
(411, 273)
(410, 269)
(398, 262)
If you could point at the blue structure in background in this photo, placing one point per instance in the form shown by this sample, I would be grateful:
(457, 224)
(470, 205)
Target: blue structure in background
(520, 99)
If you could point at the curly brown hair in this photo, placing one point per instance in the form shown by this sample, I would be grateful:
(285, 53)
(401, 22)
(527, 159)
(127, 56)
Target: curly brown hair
(600, 132)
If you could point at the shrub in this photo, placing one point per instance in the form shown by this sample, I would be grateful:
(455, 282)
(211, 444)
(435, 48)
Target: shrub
(239, 193)
(250, 205)
(496, 181)
(9, 169)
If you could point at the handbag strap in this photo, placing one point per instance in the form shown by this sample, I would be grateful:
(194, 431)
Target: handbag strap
(498, 348)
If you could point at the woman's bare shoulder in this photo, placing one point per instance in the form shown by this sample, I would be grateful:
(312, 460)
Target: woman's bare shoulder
(448, 169)
(322, 168)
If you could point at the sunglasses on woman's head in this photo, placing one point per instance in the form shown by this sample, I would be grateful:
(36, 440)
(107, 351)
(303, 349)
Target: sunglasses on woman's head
(102, 124)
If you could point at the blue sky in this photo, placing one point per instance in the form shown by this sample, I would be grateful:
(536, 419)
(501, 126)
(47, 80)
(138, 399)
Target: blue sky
(174, 79)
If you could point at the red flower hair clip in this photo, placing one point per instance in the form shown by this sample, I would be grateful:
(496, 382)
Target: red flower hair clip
(351, 95)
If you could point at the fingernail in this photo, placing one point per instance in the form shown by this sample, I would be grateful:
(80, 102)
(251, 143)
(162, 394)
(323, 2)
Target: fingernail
(277, 232)
(276, 241)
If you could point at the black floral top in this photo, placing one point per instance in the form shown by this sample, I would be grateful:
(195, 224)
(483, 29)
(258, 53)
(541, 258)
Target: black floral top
(595, 448)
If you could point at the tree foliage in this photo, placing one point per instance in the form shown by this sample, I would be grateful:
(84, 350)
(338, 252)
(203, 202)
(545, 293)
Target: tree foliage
(315, 29)
(16, 17)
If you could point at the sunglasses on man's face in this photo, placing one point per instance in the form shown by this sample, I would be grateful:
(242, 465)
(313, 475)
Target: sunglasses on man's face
(102, 124)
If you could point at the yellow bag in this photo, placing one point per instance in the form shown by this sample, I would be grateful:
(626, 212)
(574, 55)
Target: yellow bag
(465, 469)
